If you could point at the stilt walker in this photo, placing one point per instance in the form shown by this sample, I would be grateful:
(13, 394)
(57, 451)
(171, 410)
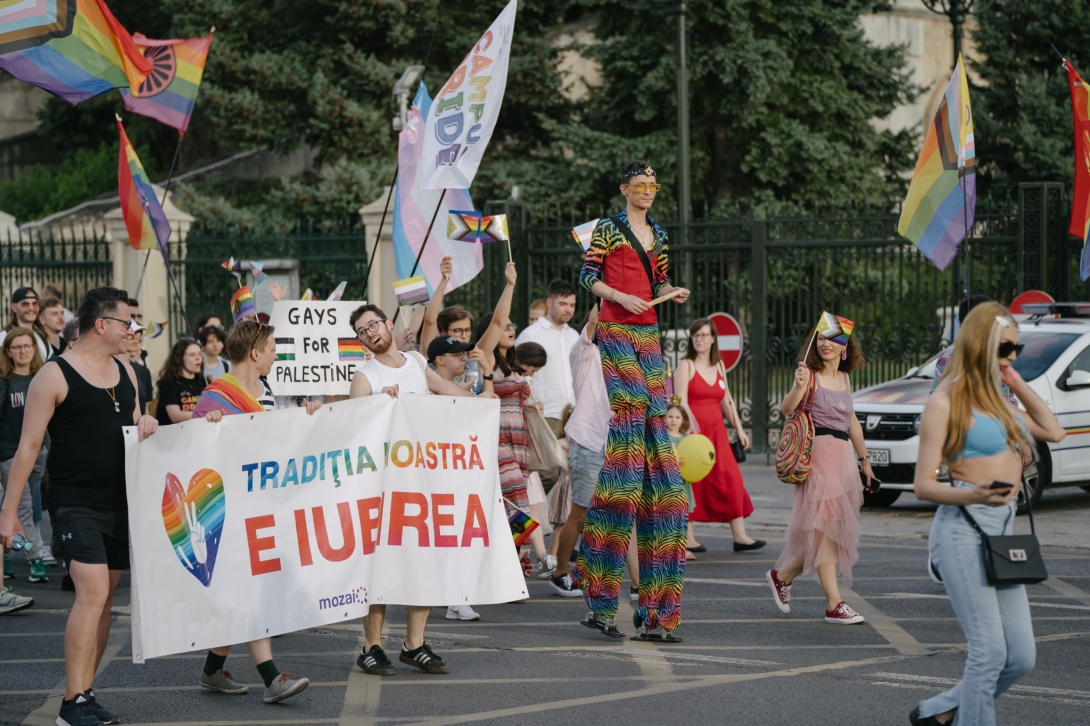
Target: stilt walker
(627, 266)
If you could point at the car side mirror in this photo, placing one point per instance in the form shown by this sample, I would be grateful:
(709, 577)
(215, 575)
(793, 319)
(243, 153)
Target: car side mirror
(1078, 379)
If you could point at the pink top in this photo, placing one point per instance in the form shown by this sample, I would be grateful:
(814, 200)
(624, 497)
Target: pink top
(833, 409)
(589, 421)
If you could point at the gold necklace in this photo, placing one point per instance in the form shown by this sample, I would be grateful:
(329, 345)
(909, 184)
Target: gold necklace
(111, 392)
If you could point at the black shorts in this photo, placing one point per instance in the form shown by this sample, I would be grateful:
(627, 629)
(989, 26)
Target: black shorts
(93, 536)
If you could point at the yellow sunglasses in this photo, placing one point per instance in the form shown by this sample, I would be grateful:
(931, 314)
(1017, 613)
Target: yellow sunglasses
(641, 187)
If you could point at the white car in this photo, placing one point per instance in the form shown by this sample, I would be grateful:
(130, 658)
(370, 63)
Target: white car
(1055, 363)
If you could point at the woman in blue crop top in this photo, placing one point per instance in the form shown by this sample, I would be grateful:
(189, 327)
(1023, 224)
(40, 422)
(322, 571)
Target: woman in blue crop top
(969, 425)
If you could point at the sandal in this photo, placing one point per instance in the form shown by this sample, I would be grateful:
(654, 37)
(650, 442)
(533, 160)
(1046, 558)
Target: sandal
(608, 626)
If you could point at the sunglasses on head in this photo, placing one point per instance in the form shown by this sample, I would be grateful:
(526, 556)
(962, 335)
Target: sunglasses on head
(1007, 347)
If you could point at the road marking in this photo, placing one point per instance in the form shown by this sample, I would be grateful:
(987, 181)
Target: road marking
(886, 626)
(718, 581)
(1036, 693)
(646, 655)
(1031, 602)
(1066, 588)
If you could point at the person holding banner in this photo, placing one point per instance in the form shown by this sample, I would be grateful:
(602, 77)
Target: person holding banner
(394, 372)
(180, 382)
(251, 348)
(85, 397)
(627, 267)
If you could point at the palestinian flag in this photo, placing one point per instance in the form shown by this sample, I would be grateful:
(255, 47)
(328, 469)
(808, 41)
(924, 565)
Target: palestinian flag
(285, 348)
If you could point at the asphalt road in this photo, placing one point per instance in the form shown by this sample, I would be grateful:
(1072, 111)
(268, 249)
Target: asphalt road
(742, 662)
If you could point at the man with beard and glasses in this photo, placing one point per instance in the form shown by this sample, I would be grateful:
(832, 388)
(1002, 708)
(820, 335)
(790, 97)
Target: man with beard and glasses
(394, 372)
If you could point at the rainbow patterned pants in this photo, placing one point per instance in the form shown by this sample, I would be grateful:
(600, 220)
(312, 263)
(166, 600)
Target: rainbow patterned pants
(640, 481)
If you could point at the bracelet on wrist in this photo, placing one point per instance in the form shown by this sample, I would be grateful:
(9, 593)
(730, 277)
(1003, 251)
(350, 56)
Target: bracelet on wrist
(488, 377)
(1011, 377)
(864, 457)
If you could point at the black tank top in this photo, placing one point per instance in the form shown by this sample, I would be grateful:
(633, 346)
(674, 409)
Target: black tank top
(87, 457)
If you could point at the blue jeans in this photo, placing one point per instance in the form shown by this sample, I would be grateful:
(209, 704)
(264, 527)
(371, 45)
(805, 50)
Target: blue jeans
(995, 619)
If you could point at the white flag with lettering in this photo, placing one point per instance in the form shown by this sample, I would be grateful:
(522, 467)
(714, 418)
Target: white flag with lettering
(463, 114)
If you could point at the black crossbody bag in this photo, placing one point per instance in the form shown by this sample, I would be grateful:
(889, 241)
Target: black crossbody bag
(1012, 559)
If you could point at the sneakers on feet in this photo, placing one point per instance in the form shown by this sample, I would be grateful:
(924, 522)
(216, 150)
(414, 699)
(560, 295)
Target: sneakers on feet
(462, 612)
(781, 591)
(608, 626)
(284, 687)
(563, 587)
(104, 715)
(546, 565)
(843, 615)
(38, 571)
(46, 556)
(374, 662)
(12, 603)
(424, 659)
(634, 593)
(77, 712)
(222, 682)
(932, 570)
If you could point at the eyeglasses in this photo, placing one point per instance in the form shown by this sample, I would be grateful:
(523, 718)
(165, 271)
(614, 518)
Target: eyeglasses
(510, 326)
(1007, 347)
(458, 332)
(371, 328)
(641, 187)
(24, 346)
(702, 336)
(127, 323)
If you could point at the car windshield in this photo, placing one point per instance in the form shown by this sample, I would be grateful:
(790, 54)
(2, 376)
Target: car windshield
(1042, 349)
(927, 370)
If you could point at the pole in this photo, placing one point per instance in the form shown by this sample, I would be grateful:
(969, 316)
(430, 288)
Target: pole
(684, 195)
(427, 236)
(957, 19)
(166, 190)
(968, 251)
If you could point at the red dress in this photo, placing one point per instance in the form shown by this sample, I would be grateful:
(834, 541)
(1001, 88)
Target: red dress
(720, 496)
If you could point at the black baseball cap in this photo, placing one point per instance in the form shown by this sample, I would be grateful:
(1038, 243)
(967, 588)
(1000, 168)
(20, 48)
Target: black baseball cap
(22, 294)
(446, 344)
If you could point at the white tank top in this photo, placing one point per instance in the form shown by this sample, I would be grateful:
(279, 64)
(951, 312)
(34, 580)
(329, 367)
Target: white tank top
(409, 378)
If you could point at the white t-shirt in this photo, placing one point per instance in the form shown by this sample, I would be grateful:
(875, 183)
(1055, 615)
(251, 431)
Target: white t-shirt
(409, 378)
(589, 422)
(552, 385)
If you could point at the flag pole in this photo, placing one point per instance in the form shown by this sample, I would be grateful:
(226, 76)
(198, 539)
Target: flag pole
(424, 244)
(166, 190)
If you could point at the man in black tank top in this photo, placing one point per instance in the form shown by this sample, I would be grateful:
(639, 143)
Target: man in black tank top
(84, 397)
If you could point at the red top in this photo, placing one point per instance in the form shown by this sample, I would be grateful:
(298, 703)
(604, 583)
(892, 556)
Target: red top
(612, 260)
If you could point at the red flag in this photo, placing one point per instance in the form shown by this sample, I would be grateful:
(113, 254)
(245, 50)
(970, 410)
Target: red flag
(1080, 113)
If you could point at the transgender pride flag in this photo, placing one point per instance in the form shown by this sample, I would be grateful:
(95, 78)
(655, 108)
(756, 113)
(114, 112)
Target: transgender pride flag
(941, 201)
(413, 210)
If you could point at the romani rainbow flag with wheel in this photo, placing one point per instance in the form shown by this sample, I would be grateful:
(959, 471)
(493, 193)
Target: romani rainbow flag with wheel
(170, 91)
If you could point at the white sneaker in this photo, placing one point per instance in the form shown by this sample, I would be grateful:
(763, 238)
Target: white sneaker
(45, 554)
(10, 602)
(546, 566)
(462, 612)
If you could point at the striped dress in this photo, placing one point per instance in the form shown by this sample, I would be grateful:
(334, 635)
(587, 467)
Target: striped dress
(514, 451)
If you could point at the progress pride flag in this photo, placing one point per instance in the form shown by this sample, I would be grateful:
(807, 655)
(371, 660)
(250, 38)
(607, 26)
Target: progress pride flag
(266, 524)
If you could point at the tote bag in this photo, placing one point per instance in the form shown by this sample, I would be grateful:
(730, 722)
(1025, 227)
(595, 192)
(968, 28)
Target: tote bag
(796, 441)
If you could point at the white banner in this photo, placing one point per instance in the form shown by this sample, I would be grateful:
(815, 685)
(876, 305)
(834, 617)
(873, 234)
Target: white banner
(463, 114)
(269, 523)
(316, 352)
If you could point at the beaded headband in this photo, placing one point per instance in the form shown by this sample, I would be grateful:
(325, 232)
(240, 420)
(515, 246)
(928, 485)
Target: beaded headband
(635, 168)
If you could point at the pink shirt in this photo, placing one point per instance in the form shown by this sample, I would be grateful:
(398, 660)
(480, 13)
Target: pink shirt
(589, 421)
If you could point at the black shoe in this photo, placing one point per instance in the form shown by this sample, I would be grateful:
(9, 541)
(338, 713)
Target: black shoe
(916, 720)
(563, 587)
(374, 662)
(756, 545)
(424, 659)
(698, 548)
(608, 626)
(77, 712)
(104, 715)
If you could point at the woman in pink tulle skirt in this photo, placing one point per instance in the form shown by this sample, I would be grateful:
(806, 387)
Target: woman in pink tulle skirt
(823, 532)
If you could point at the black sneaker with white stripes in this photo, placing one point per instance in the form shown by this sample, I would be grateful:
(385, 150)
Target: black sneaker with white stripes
(374, 662)
(424, 659)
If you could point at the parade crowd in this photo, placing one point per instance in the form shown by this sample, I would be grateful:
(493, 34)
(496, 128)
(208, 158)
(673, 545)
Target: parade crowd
(589, 428)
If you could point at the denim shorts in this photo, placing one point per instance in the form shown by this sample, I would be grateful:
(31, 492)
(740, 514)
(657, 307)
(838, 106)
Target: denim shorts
(585, 466)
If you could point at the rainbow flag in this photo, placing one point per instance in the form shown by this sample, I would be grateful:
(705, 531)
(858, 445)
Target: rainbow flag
(74, 49)
(226, 394)
(475, 227)
(157, 329)
(309, 295)
(941, 201)
(522, 526)
(242, 304)
(233, 266)
(1080, 201)
(350, 349)
(145, 221)
(169, 92)
(835, 328)
(411, 290)
(583, 233)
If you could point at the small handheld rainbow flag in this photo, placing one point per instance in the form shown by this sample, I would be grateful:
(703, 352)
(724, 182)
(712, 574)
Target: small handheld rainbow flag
(336, 294)
(835, 328)
(583, 233)
(350, 349)
(474, 227)
(169, 93)
(522, 526)
(242, 304)
(145, 221)
(308, 294)
(233, 266)
(411, 290)
(157, 329)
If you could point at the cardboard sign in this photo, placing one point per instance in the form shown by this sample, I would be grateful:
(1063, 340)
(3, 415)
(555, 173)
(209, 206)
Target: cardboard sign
(316, 350)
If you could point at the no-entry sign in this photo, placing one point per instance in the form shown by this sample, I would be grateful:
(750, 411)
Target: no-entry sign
(729, 338)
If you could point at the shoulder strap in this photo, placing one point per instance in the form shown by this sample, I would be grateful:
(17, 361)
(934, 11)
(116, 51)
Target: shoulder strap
(809, 401)
(640, 251)
(423, 367)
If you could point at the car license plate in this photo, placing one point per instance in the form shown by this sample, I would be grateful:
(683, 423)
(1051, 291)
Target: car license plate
(879, 457)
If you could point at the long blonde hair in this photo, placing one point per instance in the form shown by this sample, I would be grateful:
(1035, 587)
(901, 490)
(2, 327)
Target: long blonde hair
(974, 369)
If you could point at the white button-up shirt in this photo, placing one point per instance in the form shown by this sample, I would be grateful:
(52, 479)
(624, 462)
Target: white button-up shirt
(552, 385)
(589, 422)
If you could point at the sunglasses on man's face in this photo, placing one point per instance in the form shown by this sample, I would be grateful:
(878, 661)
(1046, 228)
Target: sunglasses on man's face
(641, 187)
(1007, 347)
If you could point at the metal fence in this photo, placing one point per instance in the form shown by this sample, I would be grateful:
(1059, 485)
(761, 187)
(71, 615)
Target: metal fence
(74, 259)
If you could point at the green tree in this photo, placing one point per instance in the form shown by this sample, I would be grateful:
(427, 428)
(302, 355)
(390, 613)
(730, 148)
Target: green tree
(1022, 111)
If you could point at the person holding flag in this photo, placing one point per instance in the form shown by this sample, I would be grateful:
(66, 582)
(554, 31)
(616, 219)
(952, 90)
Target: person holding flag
(823, 531)
(627, 266)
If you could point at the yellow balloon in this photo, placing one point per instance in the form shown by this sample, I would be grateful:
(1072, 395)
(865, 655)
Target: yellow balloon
(696, 457)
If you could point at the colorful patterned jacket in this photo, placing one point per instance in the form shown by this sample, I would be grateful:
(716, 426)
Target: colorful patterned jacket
(612, 260)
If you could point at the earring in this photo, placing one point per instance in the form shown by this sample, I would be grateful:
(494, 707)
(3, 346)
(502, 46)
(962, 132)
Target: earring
(844, 355)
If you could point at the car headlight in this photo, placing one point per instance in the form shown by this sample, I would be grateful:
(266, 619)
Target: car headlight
(916, 424)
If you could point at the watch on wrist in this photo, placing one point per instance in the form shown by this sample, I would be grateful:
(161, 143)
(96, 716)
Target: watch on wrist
(488, 377)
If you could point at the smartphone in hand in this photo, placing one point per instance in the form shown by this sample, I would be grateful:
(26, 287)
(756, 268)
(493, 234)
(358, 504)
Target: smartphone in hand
(1001, 485)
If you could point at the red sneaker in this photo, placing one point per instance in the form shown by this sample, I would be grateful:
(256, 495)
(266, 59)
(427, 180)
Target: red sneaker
(843, 615)
(781, 591)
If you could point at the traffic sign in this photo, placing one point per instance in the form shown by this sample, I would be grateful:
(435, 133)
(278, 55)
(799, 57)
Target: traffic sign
(1029, 296)
(729, 339)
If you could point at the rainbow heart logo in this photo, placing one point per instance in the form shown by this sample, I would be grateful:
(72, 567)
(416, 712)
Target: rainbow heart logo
(193, 519)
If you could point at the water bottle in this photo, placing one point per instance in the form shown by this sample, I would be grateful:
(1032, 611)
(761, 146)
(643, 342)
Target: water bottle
(473, 375)
(19, 542)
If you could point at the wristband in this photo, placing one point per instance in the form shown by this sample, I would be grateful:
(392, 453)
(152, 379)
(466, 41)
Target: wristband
(488, 378)
(1011, 377)
(864, 457)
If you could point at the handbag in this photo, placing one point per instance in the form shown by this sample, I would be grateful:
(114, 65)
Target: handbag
(796, 441)
(560, 498)
(1011, 559)
(738, 451)
(546, 453)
